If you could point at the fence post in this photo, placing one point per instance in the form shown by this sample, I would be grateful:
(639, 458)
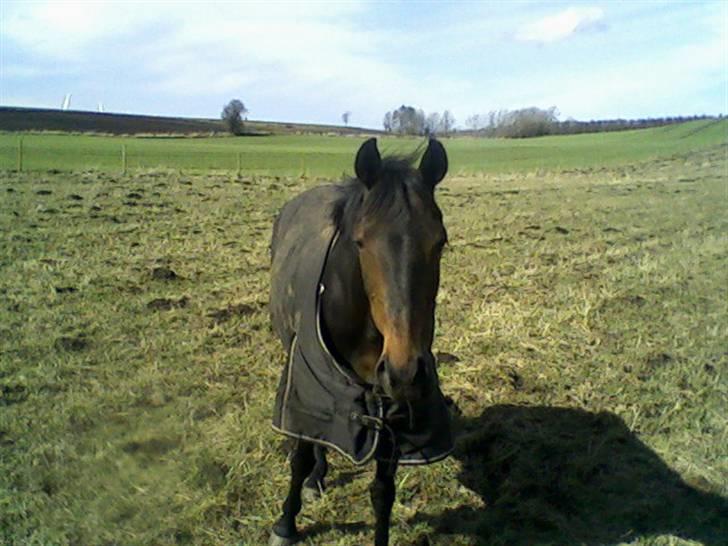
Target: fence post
(240, 164)
(123, 159)
(20, 154)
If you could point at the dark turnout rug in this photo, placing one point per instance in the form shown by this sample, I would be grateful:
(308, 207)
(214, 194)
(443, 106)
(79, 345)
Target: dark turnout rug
(323, 401)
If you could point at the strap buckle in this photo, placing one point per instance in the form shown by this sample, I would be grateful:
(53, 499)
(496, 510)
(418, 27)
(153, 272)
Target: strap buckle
(367, 420)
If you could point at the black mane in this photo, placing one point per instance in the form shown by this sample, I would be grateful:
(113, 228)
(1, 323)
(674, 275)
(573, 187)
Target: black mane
(391, 192)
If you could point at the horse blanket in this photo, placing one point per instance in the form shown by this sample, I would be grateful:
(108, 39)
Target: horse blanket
(320, 399)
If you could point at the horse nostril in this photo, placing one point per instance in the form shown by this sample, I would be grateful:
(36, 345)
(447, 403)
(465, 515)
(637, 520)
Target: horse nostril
(422, 371)
(381, 370)
(385, 379)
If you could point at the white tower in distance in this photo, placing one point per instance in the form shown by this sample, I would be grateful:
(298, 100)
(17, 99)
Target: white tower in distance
(66, 102)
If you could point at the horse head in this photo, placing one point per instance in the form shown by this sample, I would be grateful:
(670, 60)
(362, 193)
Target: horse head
(398, 232)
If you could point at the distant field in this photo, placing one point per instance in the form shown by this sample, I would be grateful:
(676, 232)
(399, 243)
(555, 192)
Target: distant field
(41, 119)
(329, 156)
(583, 316)
(76, 121)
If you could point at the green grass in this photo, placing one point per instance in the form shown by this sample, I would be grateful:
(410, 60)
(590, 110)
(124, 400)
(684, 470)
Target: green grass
(588, 310)
(329, 156)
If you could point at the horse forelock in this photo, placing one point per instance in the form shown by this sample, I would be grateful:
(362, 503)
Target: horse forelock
(385, 201)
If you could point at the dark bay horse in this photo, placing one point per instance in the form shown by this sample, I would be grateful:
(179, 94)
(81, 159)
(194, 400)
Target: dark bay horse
(355, 273)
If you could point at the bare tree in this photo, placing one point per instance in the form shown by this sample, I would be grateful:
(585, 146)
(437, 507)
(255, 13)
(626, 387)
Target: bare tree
(405, 120)
(475, 122)
(387, 122)
(232, 115)
(345, 117)
(447, 122)
(433, 123)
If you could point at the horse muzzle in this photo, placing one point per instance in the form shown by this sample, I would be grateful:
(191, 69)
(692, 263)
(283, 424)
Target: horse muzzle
(406, 383)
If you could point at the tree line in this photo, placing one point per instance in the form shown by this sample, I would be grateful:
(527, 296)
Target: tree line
(532, 122)
(407, 120)
(521, 123)
(572, 126)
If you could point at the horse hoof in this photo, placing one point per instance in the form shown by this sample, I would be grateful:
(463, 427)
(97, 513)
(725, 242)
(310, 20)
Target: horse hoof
(276, 540)
(310, 494)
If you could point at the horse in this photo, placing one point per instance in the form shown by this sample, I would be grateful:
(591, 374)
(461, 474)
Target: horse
(355, 270)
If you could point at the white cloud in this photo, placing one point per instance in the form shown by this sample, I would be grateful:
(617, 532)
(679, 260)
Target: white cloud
(64, 30)
(21, 71)
(561, 25)
(274, 50)
(286, 59)
(311, 61)
(650, 86)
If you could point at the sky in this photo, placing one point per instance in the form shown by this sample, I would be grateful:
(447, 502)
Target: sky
(309, 62)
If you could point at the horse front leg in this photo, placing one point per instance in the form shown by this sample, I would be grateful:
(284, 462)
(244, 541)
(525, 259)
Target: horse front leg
(382, 491)
(302, 462)
(314, 485)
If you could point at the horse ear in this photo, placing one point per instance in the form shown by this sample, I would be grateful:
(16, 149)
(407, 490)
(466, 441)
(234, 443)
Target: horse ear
(368, 162)
(433, 166)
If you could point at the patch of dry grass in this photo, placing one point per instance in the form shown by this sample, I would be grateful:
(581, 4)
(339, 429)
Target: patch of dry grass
(588, 311)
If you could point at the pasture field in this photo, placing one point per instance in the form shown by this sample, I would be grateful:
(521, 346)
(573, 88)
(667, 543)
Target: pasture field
(582, 334)
(79, 121)
(317, 155)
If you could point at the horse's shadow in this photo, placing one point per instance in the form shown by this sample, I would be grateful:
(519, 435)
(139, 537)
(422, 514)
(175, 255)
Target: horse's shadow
(567, 476)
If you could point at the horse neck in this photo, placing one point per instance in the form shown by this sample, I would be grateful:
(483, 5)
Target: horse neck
(348, 325)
